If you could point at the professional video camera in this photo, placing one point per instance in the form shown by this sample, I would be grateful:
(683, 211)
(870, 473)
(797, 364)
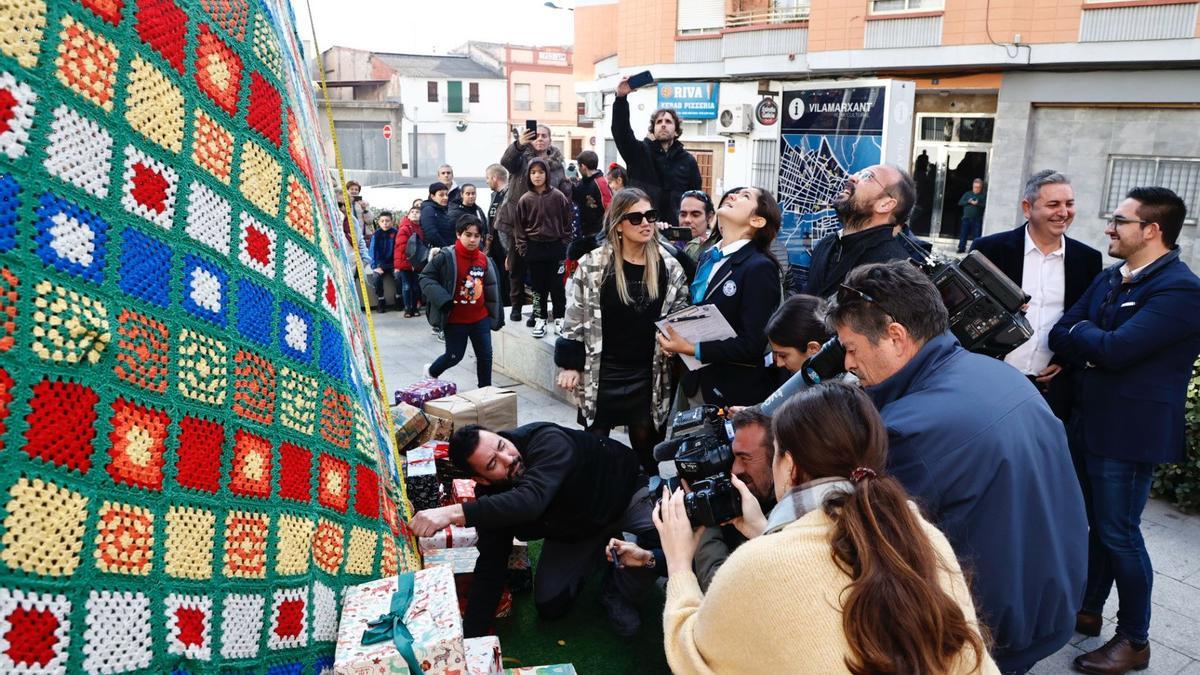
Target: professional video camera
(700, 448)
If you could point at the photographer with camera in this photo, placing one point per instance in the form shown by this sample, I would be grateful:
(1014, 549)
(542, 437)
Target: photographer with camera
(568, 487)
(977, 445)
(846, 573)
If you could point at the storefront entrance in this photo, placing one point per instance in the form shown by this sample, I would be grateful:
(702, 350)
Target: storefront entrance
(950, 152)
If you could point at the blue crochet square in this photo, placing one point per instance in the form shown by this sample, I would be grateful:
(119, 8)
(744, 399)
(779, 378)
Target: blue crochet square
(295, 331)
(288, 669)
(205, 289)
(333, 351)
(255, 312)
(145, 268)
(71, 238)
(10, 201)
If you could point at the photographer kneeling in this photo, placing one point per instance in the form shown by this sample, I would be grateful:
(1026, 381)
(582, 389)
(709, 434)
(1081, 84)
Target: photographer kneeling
(844, 560)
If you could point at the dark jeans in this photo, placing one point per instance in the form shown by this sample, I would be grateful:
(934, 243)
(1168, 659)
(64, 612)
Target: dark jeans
(547, 280)
(410, 289)
(968, 229)
(1116, 551)
(516, 277)
(456, 334)
(379, 283)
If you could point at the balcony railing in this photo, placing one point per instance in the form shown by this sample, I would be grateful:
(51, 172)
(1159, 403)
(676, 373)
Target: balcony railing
(768, 16)
(553, 106)
(521, 105)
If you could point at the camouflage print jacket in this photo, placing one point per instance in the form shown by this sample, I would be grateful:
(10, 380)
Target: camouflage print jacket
(582, 331)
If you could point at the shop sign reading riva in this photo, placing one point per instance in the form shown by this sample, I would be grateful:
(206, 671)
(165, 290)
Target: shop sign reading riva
(691, 100)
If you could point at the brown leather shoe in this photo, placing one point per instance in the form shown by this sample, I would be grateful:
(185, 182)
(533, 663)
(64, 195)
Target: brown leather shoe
(1088, 623)
(1117, 656)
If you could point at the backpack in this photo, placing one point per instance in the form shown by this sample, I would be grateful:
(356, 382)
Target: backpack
(417, 251)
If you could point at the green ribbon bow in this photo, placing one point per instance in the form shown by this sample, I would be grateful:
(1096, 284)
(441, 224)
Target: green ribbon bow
(391, 626)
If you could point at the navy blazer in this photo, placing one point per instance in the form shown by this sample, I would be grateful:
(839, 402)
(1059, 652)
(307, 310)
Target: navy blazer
(1137, 342)
(1007, 251)
(746, 290)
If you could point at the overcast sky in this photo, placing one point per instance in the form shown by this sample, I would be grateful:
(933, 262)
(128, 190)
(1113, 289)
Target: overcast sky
(432, 26)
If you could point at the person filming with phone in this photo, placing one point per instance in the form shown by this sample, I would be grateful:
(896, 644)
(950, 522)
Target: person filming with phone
(657, 164)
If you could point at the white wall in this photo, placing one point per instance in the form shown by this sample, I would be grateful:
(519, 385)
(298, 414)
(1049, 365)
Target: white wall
(481, 143)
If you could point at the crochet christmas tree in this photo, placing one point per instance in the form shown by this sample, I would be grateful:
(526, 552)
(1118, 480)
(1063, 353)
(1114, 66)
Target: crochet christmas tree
(193, 460)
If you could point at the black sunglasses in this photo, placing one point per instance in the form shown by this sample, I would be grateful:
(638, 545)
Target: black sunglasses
(635, 217)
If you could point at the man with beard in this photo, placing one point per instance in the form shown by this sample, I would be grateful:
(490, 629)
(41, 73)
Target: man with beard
(873, 202)
(571, 488)
(658, 164)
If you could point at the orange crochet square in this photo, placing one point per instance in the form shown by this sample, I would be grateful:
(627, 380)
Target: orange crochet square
(299, 209)
(124, 539)
(336, 422)
(361, 554)
(390, 563)
(253, 387)
(8, 308)
(87, 63)
(230, 15)
(109, 10)
(246, 544)
(43, 531)
(333, 483)
(189, 550)
(251, 474)
(295, 541)
(328, 547)
(212, 147)
(218, 70)
(296, 146)
(142, 351)
(138, 438)
(154, 106)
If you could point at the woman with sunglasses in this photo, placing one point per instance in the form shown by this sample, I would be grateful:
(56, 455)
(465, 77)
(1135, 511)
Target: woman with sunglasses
(610, 360)
(743, 280)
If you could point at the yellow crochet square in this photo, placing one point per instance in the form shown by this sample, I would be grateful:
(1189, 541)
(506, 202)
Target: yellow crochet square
(297, 401)
(212, 147)
(266, 46)
(203, 367)
(261, 178)
(294, 550)
(87, 63)
(389, 565)
(190, 533)
(68, 327)
(124, 539)
(154, 106)
(246, 535)
(43, 531)
(21, 26)
(364, 440)
(360, 556)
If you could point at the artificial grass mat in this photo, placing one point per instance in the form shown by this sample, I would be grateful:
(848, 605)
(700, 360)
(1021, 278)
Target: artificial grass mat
(583, 636)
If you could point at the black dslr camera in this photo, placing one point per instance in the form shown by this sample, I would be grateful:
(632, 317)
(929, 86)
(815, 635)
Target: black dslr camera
(700, 447)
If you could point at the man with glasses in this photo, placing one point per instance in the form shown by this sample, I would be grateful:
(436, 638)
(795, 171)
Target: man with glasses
(979, 450)
(1053, 269)
(1135, 333)
(870, 206)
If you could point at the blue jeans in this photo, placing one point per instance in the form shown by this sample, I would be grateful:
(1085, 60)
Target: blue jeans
(968, 230)
(1116, 550)
(410, 289)
(456, 334)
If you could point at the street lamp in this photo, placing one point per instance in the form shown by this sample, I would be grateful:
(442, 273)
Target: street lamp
(551, 5)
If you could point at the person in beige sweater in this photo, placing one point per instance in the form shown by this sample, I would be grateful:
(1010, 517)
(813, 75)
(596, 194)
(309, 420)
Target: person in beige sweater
(844, 576)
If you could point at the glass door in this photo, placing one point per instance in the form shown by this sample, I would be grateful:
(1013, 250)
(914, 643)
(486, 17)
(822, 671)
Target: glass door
(951, 151)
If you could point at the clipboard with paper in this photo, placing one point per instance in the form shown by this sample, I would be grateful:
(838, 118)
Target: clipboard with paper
(698, 323)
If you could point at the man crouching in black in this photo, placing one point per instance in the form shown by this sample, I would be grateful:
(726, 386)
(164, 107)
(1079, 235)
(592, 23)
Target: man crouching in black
(568, 487)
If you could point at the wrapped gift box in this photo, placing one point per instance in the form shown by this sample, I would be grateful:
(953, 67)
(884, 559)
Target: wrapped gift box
(451, 537)
(460, 560)
(432, 617)
(420, 477)
(410, 422)
(491, 407)
(559, 669)
(421, 391)
(483, 655)
(462, 490)
(439, 429)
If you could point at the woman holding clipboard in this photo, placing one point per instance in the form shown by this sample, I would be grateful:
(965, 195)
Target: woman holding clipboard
(740, 277)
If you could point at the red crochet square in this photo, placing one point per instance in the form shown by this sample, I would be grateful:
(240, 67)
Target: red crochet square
(366, 491)
(265, 114)
(218, 70)
(163, 26)
(6, 398)
(295, 472)
(333, 483)
(138, 451)
(251, 474)
(61, 422)
(200, 444)
(109, 10)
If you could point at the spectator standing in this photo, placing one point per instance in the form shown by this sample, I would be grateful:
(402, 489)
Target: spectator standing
(696, 212)
(467, 205)
(383, 257)
(657, 164)
(497, 181)
(453, 190)
(409, 282)
(610, 359)
(435, 218)
(1054, 270)
(591, 195)
(361, 211)
(1136, 334)
(540, 235)
(973, 203)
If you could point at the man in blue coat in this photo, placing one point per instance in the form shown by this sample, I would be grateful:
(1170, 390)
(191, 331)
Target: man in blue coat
(978, 448)
(1135, 333)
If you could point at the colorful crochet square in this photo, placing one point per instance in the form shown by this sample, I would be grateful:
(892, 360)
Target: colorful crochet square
(230, 15)
(143, 351)
(246, 536)
(138, 450)
(212, 147)
(218, 70)
(205, 289)
(209, 218)
(162, 25)
(109, 10)
(21, 32)
(203, 367)
(336, 421)
(294, 550)
(265, 114)
(154, 106)
(261, 178)
(189, 625)
(333, 351)
(145, 268)
(295, 469)
(149, 188)
(61, 424)
(124, 539)
(389, 560)
(241, 625)
(333, 483)
(299, 210)
(8, 308)
(266, 46)
(328, 547)
(361, 551)
(289, 619)
(329, 292)
(299, 270)
(71, 238)
(43, 531)
(189, 549)
(256, 311)
(295, 331)
(253, 387)
(68, 327)
(87, 63)
(36, 630)
(117, 638)
(79, 152)
(325, 613)
(16, 115)
(366, 491)
(251, 473)
(297, 401)
(296, 147)
(256, 245)
(6, 398)
(199, 464)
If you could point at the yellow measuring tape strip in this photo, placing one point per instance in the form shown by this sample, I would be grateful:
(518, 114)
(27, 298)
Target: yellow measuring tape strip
(412, 554)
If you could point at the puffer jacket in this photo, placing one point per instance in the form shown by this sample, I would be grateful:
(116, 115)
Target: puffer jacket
(436, 225)
(663, 175)
(404, 232)
(516, 159)
(437, 285)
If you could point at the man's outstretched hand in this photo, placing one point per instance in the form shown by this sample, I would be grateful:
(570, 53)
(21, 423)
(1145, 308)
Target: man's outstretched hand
(623, 88)
(426, 523)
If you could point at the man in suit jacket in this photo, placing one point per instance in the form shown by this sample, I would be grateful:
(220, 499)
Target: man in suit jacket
(1136, 334)
(1053, 269)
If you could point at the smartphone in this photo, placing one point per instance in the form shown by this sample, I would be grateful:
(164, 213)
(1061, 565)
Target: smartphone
(641, 79)
(531, 125)
(357, 198)
(678, 233)
(616, 557)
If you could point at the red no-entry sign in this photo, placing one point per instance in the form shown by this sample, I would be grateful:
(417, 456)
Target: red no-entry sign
(387, 131)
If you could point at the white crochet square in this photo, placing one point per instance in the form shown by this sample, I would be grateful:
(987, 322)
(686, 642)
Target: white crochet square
(256, 246)
(209, 218)
(25, 616)
(289, 619)
(299, 270)
(325, 614)
(241, 625)
(189, 625)
(79, 152)
(16, 108)
(329, 294)
(148, 188)
(117, 638)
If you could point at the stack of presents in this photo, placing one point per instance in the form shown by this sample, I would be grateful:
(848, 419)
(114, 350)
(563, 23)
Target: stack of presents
(413, 622)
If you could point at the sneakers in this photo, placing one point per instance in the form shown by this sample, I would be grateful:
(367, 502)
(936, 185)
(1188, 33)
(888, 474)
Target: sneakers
(531, 321)
(437, 335)
(425, 371)
(558, 324)
(381, 308)
(515, 315)
(622, 614)
(539, 328)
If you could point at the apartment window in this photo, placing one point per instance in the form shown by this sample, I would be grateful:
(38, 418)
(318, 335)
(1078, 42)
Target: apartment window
(431, 89)
(473, 92)
(454, 97)
(1180, 174)
(887, 6)
(764, 166)
(521, 99)
(362, 145)
(700, 16)
(553, 102)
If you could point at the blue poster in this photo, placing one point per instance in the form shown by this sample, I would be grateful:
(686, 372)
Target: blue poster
(691, 100)
(827, 134)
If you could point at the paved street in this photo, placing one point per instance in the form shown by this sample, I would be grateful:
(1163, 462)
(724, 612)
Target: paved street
(1172, 537)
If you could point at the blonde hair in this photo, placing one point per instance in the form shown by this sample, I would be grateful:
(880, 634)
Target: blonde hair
(622, 203)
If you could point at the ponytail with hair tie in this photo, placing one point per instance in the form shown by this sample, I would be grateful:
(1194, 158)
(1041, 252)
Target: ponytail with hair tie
(862, 473)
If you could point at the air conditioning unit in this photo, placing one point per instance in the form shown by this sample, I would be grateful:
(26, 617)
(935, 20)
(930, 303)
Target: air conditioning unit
(734, 119)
